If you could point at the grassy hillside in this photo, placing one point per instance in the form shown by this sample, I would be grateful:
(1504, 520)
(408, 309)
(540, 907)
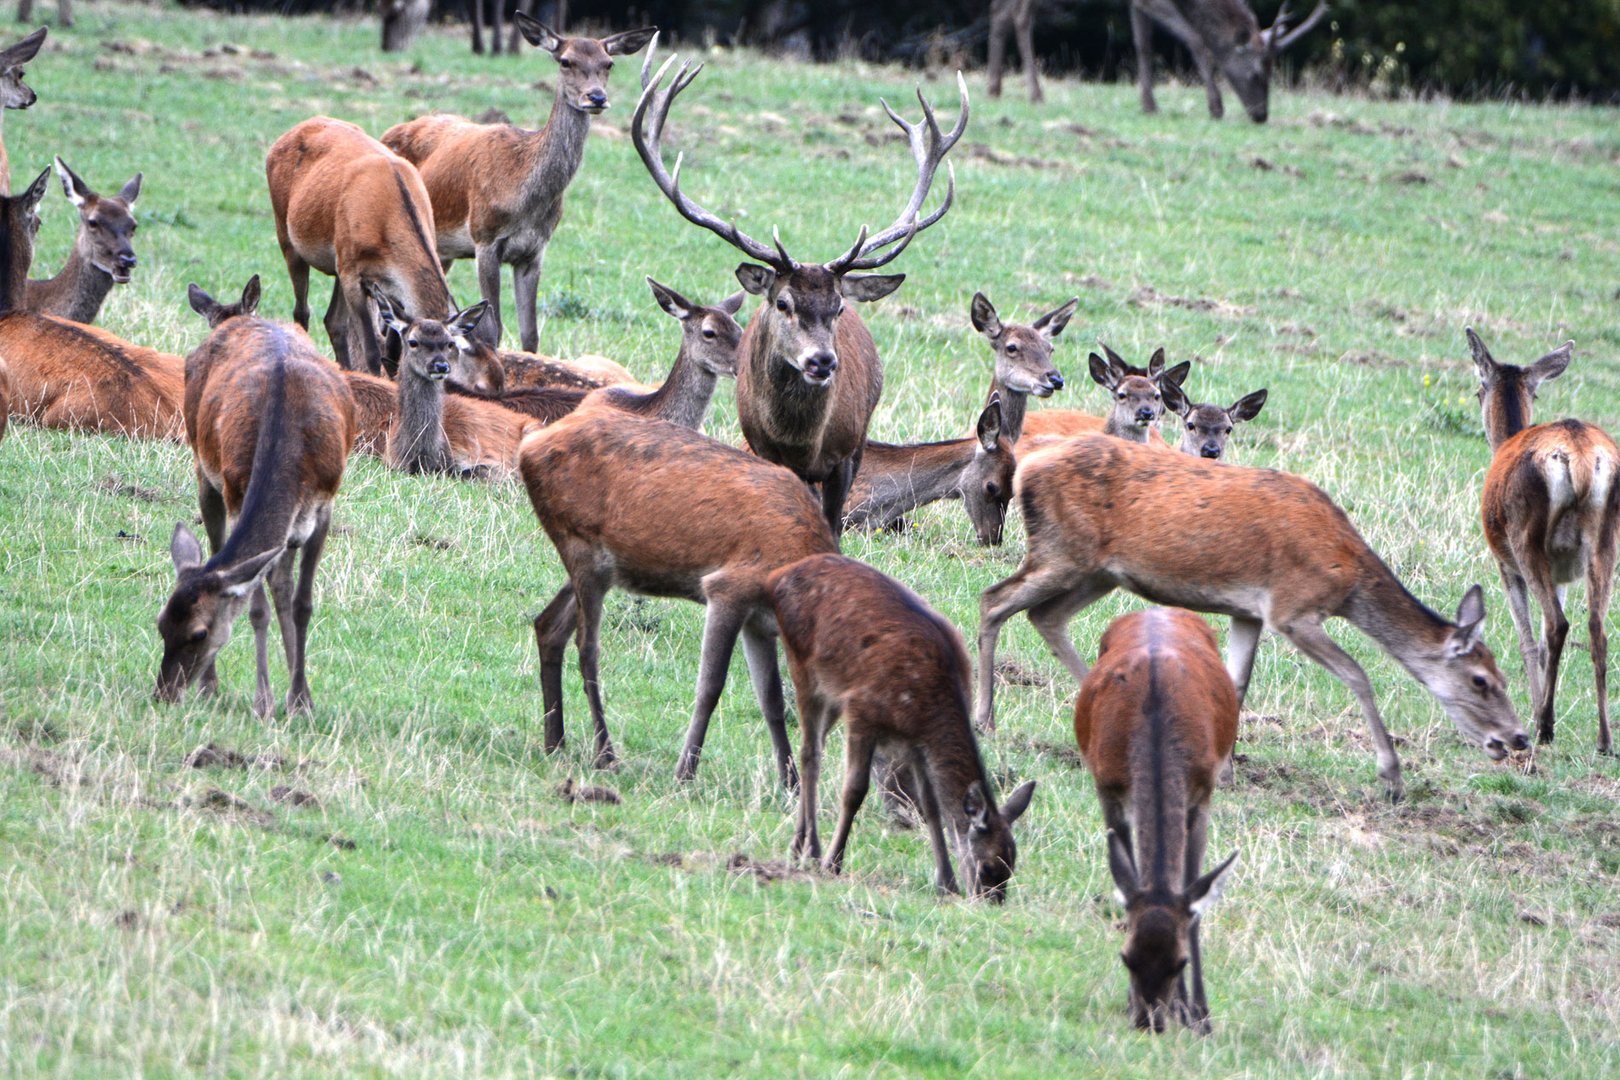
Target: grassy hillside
(438, 905)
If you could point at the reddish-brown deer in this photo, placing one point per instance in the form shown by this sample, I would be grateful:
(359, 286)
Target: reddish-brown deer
(894, 480)
(271, 423)
(1156, 719)
(809, 375)
(103, 251)
(498, 190)
(1551, 508)
(648, 506)
(14, 93)
(1207, 427)
(863, 647)
(1267, 548)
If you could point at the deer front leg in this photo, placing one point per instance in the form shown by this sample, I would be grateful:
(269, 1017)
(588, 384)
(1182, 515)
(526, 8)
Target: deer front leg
(1142, 38)
(1027, 587)
(212, 504)
(858, 748)
(1599, 582)
(552, 629)
(259, 614)
(589, 592)
(1198, 1005)
(487, 257)
(365, 347)
(1024, 25)
(944, 873)
(299, 698)
(337, 327)
(1206, 71)
(526, 299)
(1310, 639)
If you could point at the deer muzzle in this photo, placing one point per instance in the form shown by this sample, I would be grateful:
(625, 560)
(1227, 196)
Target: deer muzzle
(818, 367)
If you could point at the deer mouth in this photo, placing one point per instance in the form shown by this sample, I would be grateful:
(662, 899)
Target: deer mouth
(120, 277)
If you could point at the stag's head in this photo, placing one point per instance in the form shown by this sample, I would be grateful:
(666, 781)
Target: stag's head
(1246, 53)
(14, 93)
(196, 621)
(1208, 427)
(583, 63)
(987, 482)
(106, 225)
(709, 335)
(1140, 394)
(988, 850)
(214, 312)
(1023, 353)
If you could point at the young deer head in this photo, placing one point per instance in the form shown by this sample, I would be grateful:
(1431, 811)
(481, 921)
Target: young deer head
(215, 312)
(584, 63)
(106, 226)
(987, 482)
(1208, 427)
(709, 335)
(1140, 395)
(1158, 932)
(428, 347)
(196, 622)
(1023, 353)
(988, 852)
(14, 93)
(1506, 392)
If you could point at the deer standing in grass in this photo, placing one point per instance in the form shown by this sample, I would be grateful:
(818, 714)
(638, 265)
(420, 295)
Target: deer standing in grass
(497, 190)
(863, 647)
(1264, 547)
(1156, 719)
(1551, 508)
(1206, 428)
(103, 251)
(660, 510)
(1224, 38)
(14, 93)
(271, 423)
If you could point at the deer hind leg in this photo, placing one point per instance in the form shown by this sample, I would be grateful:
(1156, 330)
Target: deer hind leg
(1024, 25)
(1599, 582)
(476, 10)
(759, 649)
(814, 715)
(1142, 39)
(211, 502)
(487, 257)
(1197, 1005)
(1518, 596)
(299, 698)
(1310, 639)
(362, 319)
(1206, 71)
(1052, 617)
(1028, 586)
(590, 591)
(858, 748)
(552, 628)
(1554, 631)
(723, 622)
(281, 599)
(298, 274)
(337, 327)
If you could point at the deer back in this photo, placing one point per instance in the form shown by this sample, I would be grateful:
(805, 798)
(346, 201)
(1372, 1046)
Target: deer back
(74, 377)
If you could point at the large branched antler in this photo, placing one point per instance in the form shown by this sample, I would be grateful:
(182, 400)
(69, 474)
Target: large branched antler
(1279, 41)
(648, 138)
(928, 148)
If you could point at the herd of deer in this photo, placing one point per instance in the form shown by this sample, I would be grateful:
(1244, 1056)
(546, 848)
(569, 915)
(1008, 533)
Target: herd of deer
(632, 494)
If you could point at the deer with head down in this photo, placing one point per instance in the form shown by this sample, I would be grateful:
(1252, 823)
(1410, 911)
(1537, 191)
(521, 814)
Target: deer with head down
(809, 376)
(103, 251)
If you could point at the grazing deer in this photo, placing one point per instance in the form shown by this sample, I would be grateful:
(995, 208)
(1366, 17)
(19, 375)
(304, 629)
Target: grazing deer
(497, 190)
(809, 375)
(1023, 358)
(271, 423)
(1551, 508)
(1156, 719)
(348, 206)
(417, 442)
(862, 646)
(894, 480)
(1208, 427)
(1223, 36)
(1267, 548)
(658, 509)
(14, 93)
(103, 252)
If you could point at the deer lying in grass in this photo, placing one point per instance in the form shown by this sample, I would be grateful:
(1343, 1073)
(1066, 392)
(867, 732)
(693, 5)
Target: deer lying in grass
(483, 436)
(894, 480)
(532, 371)
(271, 423)
(498, 190)
(863, 647)
(1264, 547)
(103, 252)
(1551, 508)
(1156, 719)
(417, 442)
(1139, 399)
(14, 93)
(655, 508)
(1208, 427)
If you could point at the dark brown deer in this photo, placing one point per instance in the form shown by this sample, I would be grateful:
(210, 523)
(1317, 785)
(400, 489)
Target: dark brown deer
(103, 252)
(1224, 38)
(1156, 720)
(809, 375)
(895, 480)
(1206, 428)
(271, 423)
(497, 190)
(1016, 17)
(651, 507)
(64, 12)
(863, 647)
(14, 93)
(402, 21)
(417, 440)
(1267, 548)
(1551, 508)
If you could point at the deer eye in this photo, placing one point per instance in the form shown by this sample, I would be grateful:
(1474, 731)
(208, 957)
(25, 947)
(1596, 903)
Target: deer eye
(781, 305)
(1479, 682)
(94, 223)
(565, 64)
(1155, 395)
(198, 635)
(413, 343)
(707, 332)
(992, 489)
(609, 66)
(1123, 395)
(1012, 347)
(1228, 431)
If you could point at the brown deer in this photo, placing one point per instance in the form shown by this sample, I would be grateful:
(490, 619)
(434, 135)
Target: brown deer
(654, 508)
(1156, 719)
(1023, 358)
(484, 437)
(417, 441)
(530, 370)
(14, 93)
(809, 376)
(271, 423)
(864, 647)
(1207, 427)
(497, 190)
(1267, 548)
(1016, 17)
(1551, 508)
(1139, 400)
(103, 252)
(894, 480)
(348, 206)
(1223, 36)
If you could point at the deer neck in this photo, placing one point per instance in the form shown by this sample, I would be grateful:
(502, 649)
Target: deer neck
(556, 151)
(685, 395)
(1158, 793)
(420, 444)
(1126, 429)
(76, 292)
(1507, 412)
(1014, 404)
(952, 759)
(15, 255)
(1401, 624)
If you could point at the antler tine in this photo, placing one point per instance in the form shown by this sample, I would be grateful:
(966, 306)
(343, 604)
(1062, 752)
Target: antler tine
(648, 137)
(928, 148)
(647, 61)
(1303, 28)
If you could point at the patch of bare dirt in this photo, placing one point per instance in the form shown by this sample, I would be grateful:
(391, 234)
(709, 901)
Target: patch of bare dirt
(1372, 358)
(768, 871)
(1267, 165)
(1148, 296)
(292, 796)
(219, 801)
(1088, 281)
(1012, 673)
(578, 793)
(983, 152)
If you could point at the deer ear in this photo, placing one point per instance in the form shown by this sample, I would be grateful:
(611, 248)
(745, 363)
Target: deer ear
(24, 51)
(1203, 893)
(36, 191)
(1482, 356)
(1156, 364)
(976, 807)
(1247, 407)
(1122, 864)
(74, 188)
(628, 41)
(671, 301)
(238, 580)
(1103, 373)
(466, 320)
(201, 302)
(1470, 621)
(1174, 398)
(537, 33)
(756, 279)
(1173, 377)
(184, 549)
(985, 319)
(131, 191)
(1018, 801)
(732, 304)
(1114, 357)
(867, 287)
(1052, 323)
(250, 296)
(990, 424)
(1552, 365)
(392, 317)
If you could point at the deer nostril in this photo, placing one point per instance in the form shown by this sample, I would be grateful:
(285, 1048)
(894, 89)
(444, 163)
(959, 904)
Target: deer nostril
(1211, 451)
(1056, 380)
(1521, 741)
(126, 260)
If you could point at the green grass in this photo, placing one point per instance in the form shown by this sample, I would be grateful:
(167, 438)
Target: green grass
(443, 910)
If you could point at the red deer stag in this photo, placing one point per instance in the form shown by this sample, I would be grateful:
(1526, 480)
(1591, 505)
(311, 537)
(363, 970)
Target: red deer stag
(1208, 427)
(103, 252)
(809, 375)
(14, 93)
(1267, 548)
(1552, 513)
(498, 190)
(271, 423)
(657, 509)
(864, 647)
(1156, 720)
